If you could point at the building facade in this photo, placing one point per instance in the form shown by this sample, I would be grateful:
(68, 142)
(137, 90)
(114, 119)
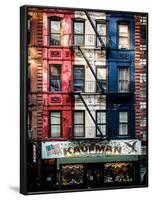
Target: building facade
(83, 91)
(141, 88)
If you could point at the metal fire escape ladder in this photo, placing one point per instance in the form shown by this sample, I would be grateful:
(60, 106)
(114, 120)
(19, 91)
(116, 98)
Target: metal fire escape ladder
(94, 74)
(95, 30)
(94, 121)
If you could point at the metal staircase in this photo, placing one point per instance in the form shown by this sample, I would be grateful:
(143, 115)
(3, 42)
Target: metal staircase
(95, 30)
(98, 82)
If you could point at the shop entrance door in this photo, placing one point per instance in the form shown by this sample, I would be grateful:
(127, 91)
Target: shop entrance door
(94, 175)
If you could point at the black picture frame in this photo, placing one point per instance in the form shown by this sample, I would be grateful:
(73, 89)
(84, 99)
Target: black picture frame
(24, 100)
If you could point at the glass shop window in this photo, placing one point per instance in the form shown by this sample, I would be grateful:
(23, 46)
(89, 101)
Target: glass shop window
(124, 38)
(55, 77)
(78, 78)
(119, 173)
(72, 175)
(123, 123)
(55, 32)
(79, 32)
(101, 122)
(102, 77)
(124, 79)
(79, 123)
(55, 124)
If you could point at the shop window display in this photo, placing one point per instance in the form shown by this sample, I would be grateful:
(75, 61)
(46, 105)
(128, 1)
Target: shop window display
(119, 173)
(72, 175)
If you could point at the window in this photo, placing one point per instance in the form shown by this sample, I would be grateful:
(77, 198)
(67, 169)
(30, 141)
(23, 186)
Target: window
(55, 32)
(55, 77)
(72, 175)
(143, 122)
(79, 78)
(29, 29)
(101, 29)
(143, 20)
(29, 124)
(143, 47)
(143, 106)
(101, 122)
(142, 63)
(79, 32)
(142, 78)
(123, 123)
(144, 135)
(79, 121)
(124, 80)
(143, 92)
(29, 78)
(119, 173)
(55, 124)
(143, 34)
(29, 120)
(123, 42)
(102, 76)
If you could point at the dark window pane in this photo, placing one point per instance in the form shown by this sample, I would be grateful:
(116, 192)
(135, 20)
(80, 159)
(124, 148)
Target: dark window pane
(79, 78)
(79, 73)
(55, 39)
(55, 77)
(55, 85)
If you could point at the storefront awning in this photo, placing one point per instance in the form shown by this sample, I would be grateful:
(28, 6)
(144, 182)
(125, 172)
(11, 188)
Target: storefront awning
(100, 159)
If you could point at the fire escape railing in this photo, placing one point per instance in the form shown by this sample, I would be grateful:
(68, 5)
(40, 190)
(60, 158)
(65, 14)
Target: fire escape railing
(89, 65)
(95, 30)
(96, 40)
(94, 121)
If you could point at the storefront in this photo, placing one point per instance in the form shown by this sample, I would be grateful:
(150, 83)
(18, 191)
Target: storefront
(94, 164)
(48, 174)
(99, 173)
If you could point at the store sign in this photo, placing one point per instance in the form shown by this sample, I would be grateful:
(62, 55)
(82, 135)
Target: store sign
(66, 149)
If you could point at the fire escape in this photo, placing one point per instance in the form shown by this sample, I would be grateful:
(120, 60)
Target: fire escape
(81, 49)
